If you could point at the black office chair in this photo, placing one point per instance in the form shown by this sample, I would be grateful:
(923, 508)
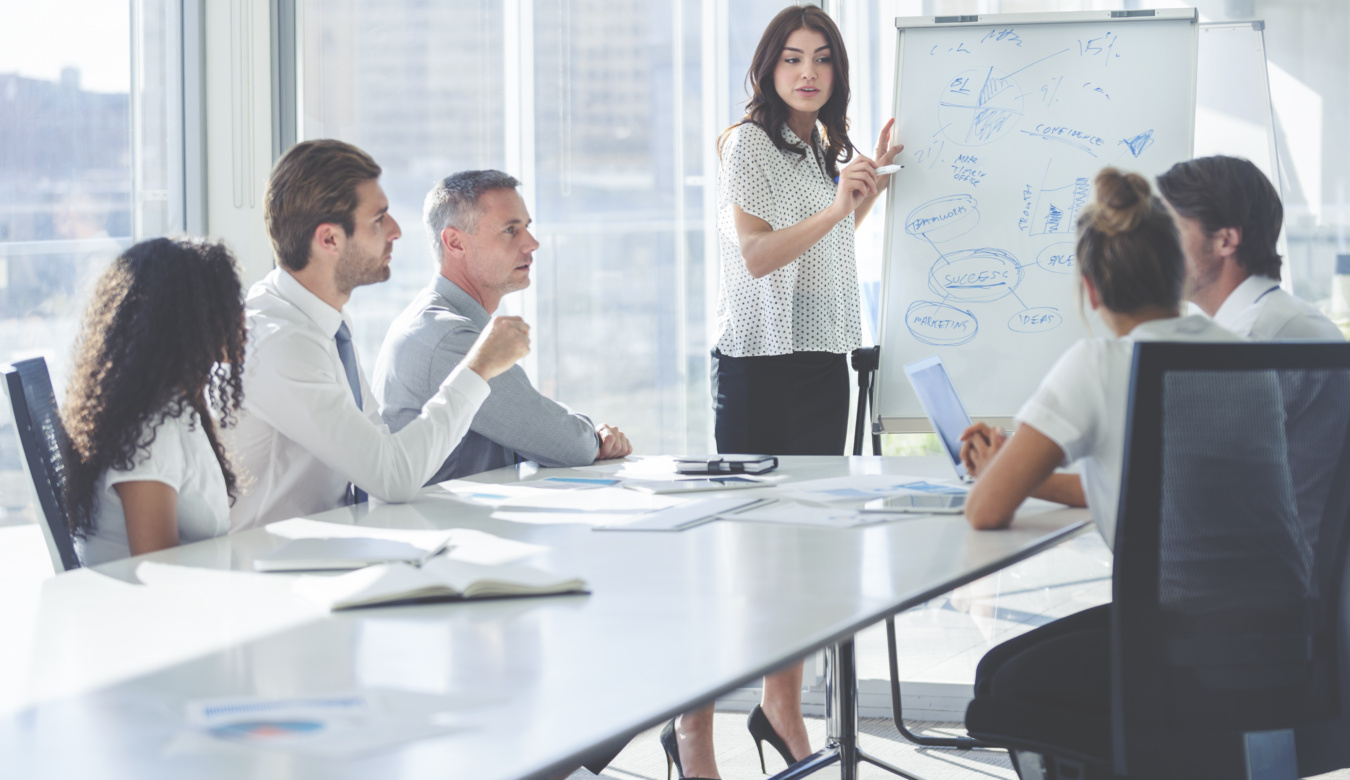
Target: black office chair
(44, 444)
(1229, 579)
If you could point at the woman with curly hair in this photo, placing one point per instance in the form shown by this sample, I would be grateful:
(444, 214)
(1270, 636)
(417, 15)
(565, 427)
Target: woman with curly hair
(158, 362)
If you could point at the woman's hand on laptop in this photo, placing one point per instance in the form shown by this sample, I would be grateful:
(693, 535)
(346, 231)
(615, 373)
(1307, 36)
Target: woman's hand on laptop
(979, 444)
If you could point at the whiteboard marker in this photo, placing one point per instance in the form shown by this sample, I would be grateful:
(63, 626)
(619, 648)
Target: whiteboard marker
(885, 169)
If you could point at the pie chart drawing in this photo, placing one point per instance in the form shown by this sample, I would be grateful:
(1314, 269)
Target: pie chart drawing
(980, 106)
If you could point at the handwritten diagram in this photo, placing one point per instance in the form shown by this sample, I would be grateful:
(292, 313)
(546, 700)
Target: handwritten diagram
(1057, 207)
(973, 276)
(1057, 258)
(1006, 123)
(980, 106)
(1138, 143)
(1023, 120)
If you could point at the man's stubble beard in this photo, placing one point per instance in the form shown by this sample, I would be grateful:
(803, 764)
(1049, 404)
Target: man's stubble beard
(352, 273)
(1202, 273)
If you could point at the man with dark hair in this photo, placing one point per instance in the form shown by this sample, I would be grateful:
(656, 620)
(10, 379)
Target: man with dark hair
(309, 438)
(1229, 216)
(480, 238)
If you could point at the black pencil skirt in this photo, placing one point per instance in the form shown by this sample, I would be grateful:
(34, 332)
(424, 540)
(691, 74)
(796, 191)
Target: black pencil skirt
(793, 404)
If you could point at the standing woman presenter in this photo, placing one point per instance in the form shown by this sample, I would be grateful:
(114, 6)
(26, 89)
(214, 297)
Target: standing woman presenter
(788, 312)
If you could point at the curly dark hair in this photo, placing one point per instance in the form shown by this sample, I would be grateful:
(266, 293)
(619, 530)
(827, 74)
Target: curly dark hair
(766, 109)
(163, 334)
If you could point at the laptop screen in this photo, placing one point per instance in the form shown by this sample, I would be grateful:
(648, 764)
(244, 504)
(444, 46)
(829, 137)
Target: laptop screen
(944, 408)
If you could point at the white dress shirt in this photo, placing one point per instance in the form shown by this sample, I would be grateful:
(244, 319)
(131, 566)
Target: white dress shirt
(1081, 405)
(178, 455)
(1259, 309)
(301, 438)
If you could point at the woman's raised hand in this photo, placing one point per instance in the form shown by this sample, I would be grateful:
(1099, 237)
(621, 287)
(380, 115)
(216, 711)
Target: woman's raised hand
(886, 153)
(857, 182)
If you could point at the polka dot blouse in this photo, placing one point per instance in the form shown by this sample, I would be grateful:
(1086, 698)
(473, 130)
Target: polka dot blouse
(808, 305)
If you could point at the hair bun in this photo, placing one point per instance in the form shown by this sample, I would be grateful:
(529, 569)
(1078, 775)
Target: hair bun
(1122, 201)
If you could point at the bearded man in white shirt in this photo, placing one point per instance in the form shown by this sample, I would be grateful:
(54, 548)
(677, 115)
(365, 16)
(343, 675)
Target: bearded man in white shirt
(1229, 216)
(310, 437)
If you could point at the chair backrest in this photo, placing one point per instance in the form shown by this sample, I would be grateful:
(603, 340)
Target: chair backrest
(45, 445)
(1324, 746)
(1230, 552)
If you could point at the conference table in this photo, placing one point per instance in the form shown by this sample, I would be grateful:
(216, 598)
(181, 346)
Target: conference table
(101, 666)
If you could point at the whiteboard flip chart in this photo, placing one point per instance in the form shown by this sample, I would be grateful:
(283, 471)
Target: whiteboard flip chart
(1005, 124)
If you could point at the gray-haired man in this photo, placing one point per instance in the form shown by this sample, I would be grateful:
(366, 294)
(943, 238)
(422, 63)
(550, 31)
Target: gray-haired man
(479, 230)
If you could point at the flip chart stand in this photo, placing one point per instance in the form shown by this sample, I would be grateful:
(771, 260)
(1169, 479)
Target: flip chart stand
(865, 362)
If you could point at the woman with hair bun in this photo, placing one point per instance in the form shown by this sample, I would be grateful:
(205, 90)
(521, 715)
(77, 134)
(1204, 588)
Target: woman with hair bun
(1132, 272)
(158, 364)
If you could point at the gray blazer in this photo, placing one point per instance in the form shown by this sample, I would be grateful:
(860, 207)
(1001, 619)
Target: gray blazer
(428, 339)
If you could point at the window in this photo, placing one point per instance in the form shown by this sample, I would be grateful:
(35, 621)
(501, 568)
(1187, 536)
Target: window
(419, 86)
(91, 159)
(598, 108)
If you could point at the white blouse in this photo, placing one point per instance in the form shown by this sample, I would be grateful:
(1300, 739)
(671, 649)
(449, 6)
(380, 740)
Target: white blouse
(1081, 406)
(180, 457)
(810, 304)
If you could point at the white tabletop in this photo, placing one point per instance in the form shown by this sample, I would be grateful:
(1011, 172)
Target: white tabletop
(96, 674)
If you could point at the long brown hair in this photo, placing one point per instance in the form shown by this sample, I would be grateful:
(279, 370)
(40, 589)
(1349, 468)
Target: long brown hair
(1128, 246)
(163, 335)
(766, 109)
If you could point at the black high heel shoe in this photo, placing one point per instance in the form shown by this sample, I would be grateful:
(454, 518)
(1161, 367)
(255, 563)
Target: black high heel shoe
(763, 731)
(672, 748)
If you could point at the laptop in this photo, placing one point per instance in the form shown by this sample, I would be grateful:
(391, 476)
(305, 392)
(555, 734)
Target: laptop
(943, 406)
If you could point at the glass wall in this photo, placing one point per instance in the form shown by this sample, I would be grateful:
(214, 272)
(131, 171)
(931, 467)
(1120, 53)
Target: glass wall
(614, 102)
(599, 108)
(65, 181)
(384, 76)
(91, 158)
(65, 165)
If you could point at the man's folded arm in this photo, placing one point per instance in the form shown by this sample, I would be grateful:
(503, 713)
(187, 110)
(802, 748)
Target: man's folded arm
(295, 388)
(519, 417)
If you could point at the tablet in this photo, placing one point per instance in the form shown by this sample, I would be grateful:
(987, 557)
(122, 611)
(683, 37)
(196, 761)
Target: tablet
(953, 503)
(942, 405)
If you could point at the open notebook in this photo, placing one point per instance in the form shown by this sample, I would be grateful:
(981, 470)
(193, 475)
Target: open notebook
(439, 579)
(346, 553)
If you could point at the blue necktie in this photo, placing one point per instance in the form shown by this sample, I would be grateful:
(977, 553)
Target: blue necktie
(348, 357)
